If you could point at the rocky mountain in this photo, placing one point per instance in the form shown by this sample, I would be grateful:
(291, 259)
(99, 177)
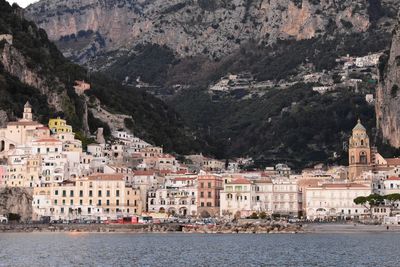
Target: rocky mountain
(215, 28)
(388, 94)
(32, 68)
(180, 48)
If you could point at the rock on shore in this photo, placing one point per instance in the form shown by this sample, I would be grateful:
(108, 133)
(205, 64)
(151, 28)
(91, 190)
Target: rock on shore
(16, 200)
(244, 228)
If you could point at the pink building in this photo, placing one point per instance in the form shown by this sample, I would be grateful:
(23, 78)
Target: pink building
(208, 196)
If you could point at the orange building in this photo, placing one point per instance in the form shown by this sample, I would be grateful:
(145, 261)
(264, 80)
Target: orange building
(208, 196)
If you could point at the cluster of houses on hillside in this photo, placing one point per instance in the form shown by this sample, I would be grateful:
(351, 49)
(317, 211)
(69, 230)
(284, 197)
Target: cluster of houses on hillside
(350, 72)
(129, 176)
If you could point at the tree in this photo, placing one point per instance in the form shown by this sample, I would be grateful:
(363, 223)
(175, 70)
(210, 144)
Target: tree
(360, 200)
(262, 215)
(392, 199)
(369, 201)
(375, 200)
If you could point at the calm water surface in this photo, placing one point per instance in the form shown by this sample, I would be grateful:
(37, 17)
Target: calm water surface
(71, 249)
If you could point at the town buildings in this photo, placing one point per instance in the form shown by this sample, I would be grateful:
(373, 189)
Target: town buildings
(127, 176)
(97, 197)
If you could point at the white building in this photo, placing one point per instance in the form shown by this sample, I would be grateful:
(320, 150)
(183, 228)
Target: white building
(287, 196)
(236, 198)
(180, 199)
(335, 201)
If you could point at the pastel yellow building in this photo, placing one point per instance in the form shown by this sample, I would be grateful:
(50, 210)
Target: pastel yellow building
(59, 126)
(23, 172)
(97, 197)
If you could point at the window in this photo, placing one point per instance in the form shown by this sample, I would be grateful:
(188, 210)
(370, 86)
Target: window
(55, 202)
(99, 193)
(64, 193)
(202, 204)
(209, 185)
(201, 185)
(108, 202)
(108, 193)
(117, 202)
(81, 193)
(81, 202)
(71, 193)
(62, 210)
(117, 193)
(127, 202)
(56, 192)
(99, 202)
(201, 194)
(209, 194)
(90, 193)
(63, 202)
(208, 204)
(363, 158)
(71, 202)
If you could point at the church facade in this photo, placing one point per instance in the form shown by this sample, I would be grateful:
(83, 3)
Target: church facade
(19, 132)
(363, 157)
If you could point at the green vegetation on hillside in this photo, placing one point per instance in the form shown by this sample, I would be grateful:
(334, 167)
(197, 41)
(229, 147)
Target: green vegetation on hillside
(296, 125)
(152, 119)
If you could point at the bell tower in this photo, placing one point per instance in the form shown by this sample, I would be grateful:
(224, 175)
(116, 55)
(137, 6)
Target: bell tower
(27, 115)
(359, 152)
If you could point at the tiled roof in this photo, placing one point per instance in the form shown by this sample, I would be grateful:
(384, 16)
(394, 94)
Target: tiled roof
(393, 161)
(344, 185)
(106, 177)
(24, 123)
(47, 140)
(264, 180)
(394, 178)
(240, 181)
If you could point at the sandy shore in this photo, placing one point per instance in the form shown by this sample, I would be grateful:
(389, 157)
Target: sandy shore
(332, 228)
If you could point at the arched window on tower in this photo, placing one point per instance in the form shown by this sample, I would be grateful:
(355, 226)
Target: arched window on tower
(362, 142)
(352, 159)
(363, 158)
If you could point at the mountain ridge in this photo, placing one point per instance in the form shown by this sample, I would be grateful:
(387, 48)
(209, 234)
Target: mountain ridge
(32, 68)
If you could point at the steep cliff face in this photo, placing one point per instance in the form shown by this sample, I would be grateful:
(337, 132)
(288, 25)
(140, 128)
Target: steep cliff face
(17, 201)
(388, 95)
(83, 29)
(32, 68)
(15, 63)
